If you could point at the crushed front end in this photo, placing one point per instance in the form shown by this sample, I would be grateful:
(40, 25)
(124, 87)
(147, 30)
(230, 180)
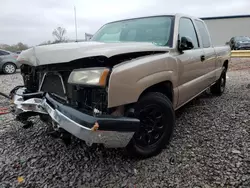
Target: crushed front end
(74, 98)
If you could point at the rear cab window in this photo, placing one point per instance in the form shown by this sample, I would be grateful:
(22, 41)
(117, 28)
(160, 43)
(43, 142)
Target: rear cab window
(206, 43)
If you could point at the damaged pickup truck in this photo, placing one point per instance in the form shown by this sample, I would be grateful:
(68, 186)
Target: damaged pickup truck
(121, 89)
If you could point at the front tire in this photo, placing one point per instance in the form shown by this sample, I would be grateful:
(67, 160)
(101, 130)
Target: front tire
(219, 87)
(157, 117)
(9, 68)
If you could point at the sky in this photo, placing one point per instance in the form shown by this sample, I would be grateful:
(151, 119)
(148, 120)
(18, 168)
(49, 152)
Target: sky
(33, 21)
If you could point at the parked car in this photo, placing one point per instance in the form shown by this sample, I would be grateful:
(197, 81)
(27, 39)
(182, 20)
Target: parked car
(18, 52)
(240, 43)
(122, 88)
(8, 62)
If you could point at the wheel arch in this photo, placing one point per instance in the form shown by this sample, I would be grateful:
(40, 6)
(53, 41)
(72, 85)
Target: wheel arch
(10, 63)
(225, 64)
(165, 87)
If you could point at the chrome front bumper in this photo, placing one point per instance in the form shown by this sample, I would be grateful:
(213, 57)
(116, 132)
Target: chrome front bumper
(112, 132)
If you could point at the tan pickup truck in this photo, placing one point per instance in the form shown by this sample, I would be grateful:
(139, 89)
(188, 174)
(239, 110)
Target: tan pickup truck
(121, 89)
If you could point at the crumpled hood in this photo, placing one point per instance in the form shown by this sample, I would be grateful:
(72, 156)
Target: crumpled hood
(66, 52)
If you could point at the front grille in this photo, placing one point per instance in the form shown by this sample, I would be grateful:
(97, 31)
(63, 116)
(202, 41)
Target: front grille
(52, 84)
(89, 98)
(84, 98)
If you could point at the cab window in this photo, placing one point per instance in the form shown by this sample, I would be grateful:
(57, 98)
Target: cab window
(186, 29)
(203, 33)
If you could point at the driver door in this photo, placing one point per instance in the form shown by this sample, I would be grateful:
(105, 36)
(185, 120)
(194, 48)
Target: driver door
(191, 65)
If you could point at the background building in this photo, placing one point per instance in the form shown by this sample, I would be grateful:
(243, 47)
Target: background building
(222, 29)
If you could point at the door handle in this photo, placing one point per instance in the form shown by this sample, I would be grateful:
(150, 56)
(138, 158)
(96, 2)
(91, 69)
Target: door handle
(203, 58)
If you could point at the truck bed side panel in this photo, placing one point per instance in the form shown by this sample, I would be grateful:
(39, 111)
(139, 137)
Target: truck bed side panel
(223, 54)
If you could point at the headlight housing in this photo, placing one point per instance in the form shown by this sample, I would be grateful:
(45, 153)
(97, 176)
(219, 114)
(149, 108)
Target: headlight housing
(94, 76)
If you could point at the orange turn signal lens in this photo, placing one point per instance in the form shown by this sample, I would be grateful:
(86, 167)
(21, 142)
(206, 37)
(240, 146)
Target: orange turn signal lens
(103, 78)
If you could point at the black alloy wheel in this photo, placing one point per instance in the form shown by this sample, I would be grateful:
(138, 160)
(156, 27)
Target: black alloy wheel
(157, 120)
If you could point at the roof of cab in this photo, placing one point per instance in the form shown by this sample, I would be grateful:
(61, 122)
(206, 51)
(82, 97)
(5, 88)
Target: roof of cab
(172, 15)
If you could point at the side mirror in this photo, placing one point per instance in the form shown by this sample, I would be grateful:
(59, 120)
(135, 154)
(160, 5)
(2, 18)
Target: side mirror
(185, 43)
(227, 43)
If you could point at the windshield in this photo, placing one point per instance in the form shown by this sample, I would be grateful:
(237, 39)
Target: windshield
(156, 30)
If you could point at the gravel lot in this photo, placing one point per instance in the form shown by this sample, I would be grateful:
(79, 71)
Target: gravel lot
(210, 148)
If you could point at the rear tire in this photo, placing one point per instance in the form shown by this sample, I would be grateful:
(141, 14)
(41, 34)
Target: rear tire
(9, 68)
(219, 87)
(157, 117)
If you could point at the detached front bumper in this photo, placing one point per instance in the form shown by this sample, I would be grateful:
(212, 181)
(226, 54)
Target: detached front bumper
(112, 132)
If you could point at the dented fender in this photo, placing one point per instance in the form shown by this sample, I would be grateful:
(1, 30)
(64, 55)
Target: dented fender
(129, 80)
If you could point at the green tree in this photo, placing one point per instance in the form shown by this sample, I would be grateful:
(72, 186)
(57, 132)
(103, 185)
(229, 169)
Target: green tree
(20, 46)
(16, 47)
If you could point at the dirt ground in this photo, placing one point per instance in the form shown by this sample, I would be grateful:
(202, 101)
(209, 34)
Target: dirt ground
(239, 64)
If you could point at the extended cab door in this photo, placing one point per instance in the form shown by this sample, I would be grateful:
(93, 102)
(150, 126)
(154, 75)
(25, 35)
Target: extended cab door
(209, 59)
(191, 65)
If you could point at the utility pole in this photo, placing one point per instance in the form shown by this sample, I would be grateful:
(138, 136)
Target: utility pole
(75, 23)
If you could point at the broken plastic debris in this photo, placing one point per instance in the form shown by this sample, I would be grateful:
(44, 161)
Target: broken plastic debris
(21, 161)
(95, 127)
(20, 179)
(4, 111)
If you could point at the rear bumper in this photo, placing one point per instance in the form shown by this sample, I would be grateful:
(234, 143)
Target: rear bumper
(111, 131)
